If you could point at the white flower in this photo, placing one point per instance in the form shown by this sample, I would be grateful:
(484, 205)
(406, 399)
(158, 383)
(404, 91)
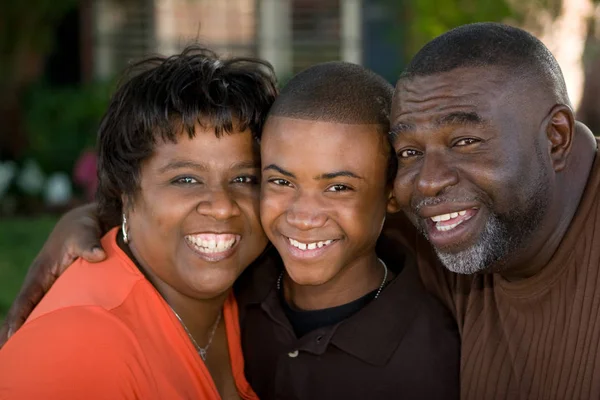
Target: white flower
(31, 178)
(58, 189)
(8, 170)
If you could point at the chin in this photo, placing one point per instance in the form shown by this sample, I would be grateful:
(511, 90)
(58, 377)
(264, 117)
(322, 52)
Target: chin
(210, 285)
(302, 276)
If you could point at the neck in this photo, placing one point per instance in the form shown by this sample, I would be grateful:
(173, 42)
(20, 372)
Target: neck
(352, 282)
(198, 315)
(572, 183)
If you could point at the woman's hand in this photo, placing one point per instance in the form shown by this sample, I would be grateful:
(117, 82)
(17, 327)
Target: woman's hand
(77, 234)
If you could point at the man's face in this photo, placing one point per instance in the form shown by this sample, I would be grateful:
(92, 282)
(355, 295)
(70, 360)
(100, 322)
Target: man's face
(473, 174)
(323, 196)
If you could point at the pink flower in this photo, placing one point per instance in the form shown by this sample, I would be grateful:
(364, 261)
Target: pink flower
(85, 173)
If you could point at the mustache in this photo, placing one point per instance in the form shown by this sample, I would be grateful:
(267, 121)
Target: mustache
(418, 203)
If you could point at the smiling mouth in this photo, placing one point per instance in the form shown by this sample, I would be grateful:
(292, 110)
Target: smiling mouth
(447, 222)
(213, 246)
(311, 245)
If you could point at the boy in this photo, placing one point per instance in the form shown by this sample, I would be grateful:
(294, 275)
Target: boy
(329, 319)
(337, 322)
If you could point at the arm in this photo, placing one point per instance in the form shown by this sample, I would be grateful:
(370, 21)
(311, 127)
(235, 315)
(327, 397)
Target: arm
(77, 234)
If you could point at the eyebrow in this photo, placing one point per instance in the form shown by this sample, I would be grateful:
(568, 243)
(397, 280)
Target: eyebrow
(244, 165)
(277, 168)
(337, 174)
(454, 118)
(183, 164)
(180, 164)
(460, 118)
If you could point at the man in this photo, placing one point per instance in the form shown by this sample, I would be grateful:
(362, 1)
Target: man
(503, 183)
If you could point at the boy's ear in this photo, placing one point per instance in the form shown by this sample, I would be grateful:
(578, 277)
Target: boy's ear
(392, 205)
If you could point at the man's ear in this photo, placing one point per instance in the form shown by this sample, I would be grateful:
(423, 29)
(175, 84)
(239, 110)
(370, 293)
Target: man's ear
(560, 128)
(392, 204)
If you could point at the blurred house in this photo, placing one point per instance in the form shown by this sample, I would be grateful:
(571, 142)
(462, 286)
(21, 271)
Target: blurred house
(291, 34)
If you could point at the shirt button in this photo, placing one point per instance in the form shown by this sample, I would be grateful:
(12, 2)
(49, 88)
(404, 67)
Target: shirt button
(293, 354)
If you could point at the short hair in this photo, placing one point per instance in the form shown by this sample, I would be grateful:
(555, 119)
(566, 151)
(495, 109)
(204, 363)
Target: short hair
(490, 44)
(339, 92)
(168, 96)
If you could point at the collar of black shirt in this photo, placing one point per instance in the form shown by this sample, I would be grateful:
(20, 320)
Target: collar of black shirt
(372, 334)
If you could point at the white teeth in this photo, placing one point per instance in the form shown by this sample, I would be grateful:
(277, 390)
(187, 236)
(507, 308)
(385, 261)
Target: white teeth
(447, 217)
(309, 246)
(447, 227)
(212, 245)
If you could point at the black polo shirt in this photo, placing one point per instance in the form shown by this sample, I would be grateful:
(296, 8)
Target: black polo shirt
(402, 345)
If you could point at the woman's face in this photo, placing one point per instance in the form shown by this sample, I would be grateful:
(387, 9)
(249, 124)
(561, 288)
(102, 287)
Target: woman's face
(194, 224)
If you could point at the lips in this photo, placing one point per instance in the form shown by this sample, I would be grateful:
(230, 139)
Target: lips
(213, 247)
(453, 229)
(308, 249)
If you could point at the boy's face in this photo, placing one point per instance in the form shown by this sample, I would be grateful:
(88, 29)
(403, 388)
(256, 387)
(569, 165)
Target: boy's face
(324, 194)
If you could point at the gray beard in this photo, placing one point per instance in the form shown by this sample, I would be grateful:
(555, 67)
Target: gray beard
(503, 236)
(492, 249)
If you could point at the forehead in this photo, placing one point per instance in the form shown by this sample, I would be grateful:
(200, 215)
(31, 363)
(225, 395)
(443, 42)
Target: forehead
(206, 147)
(307, 142)
(421, 99)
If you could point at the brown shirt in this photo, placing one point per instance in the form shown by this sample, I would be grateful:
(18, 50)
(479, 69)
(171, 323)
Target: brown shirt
(533, 339)
(404, 344)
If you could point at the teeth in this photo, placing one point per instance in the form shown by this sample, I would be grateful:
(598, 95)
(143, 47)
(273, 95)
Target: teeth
(447, 227)
(212, 242)
(309, 246)
(447, 217)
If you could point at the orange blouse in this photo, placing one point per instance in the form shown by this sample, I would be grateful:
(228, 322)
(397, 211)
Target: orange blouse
(104, 332)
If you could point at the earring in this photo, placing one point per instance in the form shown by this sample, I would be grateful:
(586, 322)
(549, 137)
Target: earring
(124, 229)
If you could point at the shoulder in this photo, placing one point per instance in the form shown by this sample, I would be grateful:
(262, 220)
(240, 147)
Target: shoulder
(72, 352)
(106, 284)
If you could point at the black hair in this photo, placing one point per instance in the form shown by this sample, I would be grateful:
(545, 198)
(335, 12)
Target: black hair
(168, 96)
(490, 44)
(339, 92)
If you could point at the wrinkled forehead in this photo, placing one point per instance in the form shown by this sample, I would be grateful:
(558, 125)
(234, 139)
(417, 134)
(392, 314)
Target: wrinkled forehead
(419, 99)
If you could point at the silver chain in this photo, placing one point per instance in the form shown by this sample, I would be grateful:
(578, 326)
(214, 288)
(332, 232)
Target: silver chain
(201, 350)
(385, 275)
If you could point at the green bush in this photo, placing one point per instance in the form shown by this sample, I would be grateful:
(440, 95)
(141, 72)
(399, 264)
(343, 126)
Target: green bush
(61, 122)
(20, 240)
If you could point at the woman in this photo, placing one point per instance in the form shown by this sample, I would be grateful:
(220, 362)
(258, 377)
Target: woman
(178, 168)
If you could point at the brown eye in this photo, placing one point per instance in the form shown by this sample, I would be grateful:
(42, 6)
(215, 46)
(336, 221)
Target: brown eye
(186, 180)
(338, 188)
(408, 153)
(466, 142)
(246, 179)
(280, 182)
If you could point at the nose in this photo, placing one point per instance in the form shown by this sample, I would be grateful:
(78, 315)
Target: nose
(306, 213)
(435, 175)
(218, 204)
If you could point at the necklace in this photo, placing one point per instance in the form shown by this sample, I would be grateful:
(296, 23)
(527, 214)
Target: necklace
(385, 275)
(201, 350)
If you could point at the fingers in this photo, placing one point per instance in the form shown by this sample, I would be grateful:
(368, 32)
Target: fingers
(94, 254)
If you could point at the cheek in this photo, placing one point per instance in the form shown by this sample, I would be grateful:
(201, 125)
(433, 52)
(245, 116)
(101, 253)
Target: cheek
(403, 189)
(272, 206)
